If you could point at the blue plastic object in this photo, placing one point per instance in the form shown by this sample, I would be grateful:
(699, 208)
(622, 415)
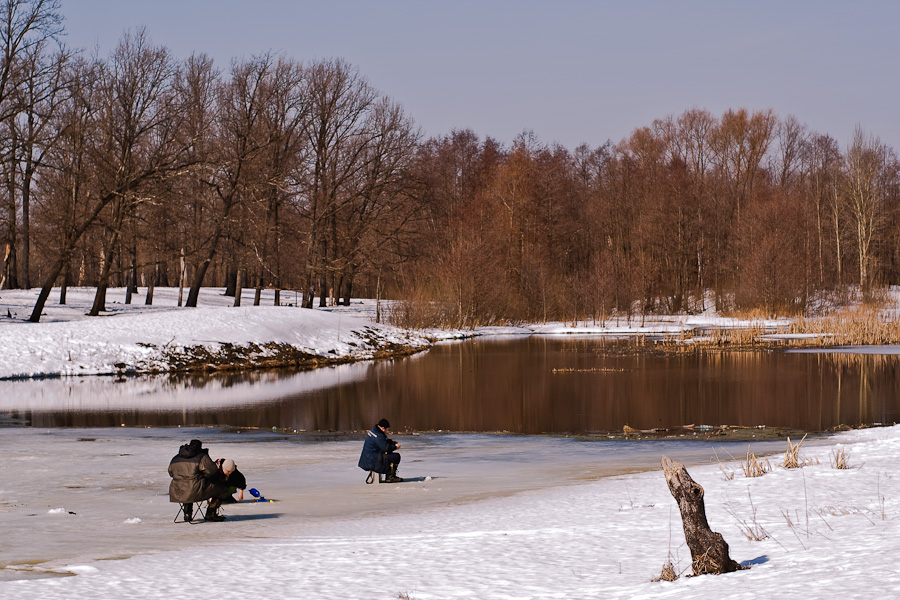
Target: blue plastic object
(255, 493)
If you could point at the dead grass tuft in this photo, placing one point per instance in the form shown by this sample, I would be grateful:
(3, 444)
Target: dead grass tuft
(705, 564)
(751, 529)
(792, 458)
(840, 458)
(754, 467)
(668, 571)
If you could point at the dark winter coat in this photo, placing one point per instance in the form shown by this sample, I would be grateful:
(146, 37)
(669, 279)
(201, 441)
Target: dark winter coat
(235, 479)
(194, 476)
(375, 449)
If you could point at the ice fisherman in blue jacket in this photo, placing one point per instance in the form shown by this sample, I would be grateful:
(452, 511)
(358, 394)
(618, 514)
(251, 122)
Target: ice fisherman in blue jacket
(379, 453)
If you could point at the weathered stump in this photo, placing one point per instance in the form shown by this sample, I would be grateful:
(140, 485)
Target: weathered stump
(709, 552)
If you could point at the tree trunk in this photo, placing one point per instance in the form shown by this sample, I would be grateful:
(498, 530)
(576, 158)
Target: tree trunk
(709, 552)
(238, 286)
(128, 288)
(199, 274)
(105, 267)
(181, 274)
(348, 290)
(148, 301)
(65, 283)
(323, 291)
(26, 223)
(12, 268)
(231, 280)
(55, 270)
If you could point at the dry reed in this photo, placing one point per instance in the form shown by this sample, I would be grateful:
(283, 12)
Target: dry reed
(840, 458)
(855, 326)
(792, 458)
(729, 475)
(668, 571)
(754, 467)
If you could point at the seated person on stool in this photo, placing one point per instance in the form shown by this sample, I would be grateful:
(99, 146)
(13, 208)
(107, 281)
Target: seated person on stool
(194, 479)
(379, 453)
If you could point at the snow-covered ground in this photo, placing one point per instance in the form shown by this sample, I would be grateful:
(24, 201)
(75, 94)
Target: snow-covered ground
(134, 336)
(479, 517)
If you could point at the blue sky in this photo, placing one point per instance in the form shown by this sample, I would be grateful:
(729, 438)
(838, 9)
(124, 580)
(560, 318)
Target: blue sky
(572, 72)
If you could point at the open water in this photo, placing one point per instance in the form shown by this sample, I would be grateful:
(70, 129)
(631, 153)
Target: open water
(526, 385)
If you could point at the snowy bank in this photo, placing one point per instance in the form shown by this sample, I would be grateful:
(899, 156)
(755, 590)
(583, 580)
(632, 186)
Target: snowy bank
(137, 338)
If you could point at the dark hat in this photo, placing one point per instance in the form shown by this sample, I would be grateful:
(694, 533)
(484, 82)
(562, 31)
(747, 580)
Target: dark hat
(195, 444)
(384, 423)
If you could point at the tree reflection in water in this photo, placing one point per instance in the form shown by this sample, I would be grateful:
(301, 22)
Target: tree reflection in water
(531, 385)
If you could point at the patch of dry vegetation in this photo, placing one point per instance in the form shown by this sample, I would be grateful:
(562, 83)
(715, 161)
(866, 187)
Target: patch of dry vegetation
(840, 458)
(751, 528)
(668, 571)
(852, 327)
(754, 467)
(855, 326)
(792, 458)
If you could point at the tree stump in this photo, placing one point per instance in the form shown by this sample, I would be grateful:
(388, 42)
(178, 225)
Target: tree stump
(709, 552)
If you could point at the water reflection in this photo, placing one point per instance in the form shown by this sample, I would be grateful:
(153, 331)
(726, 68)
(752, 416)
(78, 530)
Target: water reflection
(526, 385)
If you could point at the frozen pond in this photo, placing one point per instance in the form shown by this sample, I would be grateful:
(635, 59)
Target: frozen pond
(79, 495)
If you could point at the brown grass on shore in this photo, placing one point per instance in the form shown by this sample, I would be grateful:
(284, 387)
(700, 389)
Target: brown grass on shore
(858, 326)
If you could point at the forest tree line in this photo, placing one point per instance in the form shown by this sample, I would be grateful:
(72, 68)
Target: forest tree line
(142, 170)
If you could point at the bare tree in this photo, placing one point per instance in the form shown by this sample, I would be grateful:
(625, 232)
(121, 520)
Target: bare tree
(41, 93)
(69, 207)
(130, 139)
(823, 165)
(283, 120)
(135, 142)
(338, 133)
(866, 164)
(25, 28)
(242, 143)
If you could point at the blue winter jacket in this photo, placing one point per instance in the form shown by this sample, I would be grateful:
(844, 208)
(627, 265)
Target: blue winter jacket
(376, 446)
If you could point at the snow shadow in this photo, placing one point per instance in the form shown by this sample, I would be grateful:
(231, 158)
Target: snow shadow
(760, 560)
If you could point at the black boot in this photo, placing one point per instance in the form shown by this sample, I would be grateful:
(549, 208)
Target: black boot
(212, 512)
(392, 475)
(188, 508)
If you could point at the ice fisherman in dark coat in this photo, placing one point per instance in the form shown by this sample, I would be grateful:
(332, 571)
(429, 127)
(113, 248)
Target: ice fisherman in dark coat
(194, 479)
(379, 453)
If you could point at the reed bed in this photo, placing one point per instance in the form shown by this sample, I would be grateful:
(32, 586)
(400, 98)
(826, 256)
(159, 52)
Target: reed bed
(859, 326)
(853, 327)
